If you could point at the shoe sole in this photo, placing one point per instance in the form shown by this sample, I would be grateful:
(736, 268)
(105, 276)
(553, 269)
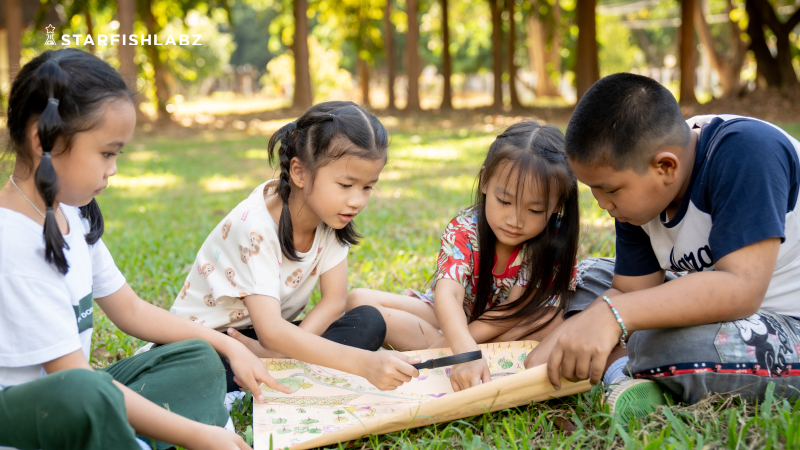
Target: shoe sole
(636, 398)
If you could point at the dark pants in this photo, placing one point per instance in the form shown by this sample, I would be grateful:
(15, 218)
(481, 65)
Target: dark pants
(362, 327)
(82, 409)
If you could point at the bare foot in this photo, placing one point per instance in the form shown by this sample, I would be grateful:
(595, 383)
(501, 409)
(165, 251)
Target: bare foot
(253, 345)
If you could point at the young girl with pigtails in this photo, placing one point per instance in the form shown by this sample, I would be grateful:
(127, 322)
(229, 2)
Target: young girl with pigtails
(69, 116)
(255, 272)
(506, 269)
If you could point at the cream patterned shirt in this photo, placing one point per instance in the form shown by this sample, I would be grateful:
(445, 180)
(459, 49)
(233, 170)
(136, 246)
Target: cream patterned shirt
(242, 256)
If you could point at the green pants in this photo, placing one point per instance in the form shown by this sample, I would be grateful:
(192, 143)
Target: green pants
(82, 409)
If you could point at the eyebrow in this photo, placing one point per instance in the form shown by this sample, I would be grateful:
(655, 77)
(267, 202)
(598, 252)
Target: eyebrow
(116, 144)
(352, 178)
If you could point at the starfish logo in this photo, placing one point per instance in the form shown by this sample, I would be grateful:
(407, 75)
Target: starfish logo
(50, 30)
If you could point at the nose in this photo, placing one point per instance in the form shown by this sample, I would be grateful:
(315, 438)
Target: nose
(602, 201)
(513, 217)
(358, 200)
(112, 170)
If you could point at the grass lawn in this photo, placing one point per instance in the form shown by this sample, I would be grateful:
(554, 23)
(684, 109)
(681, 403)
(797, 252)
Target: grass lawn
(172, 190)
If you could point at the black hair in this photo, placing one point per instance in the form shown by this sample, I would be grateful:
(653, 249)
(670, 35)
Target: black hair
(622, 121)
(63, 91)
(323, 134)
(535, 153)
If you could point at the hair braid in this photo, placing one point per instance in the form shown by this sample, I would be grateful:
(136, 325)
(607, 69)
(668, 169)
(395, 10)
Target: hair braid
(50, 126)
(324, 133)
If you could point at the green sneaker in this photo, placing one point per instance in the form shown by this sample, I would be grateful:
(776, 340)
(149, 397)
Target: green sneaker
(636, 398)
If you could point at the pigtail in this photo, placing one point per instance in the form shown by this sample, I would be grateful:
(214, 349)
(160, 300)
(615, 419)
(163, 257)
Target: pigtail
(316, 139)
(92, 212)
(50, 126)
(64, 89)
(286, 136)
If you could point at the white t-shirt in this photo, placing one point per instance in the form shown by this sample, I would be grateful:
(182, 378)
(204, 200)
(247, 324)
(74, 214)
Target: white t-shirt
(43, 314)
(242, 256)
(744, 188)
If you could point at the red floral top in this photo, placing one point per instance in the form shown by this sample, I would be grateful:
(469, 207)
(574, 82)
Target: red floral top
(458, 261)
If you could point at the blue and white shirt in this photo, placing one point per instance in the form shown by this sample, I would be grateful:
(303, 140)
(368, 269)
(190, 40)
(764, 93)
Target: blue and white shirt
(743, 189)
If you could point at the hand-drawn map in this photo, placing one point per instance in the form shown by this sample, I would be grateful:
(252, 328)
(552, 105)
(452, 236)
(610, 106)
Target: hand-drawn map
(325, 400)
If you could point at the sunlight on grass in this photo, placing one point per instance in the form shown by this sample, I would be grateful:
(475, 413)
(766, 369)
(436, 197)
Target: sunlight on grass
(147, 181)
(143, 156)
(219, 183)
(256, 153)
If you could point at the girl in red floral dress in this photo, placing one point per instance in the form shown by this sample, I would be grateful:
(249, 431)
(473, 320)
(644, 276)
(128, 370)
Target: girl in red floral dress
(526, 214)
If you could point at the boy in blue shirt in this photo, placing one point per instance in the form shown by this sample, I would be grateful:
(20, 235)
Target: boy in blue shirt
(714, 197)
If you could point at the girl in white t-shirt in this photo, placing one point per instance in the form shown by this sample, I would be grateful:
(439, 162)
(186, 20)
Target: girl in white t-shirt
(256, 270)
(69, 115)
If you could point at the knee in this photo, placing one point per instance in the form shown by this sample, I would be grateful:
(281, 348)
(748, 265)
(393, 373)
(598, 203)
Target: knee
(83, 397)
(358, 297)
(371, 324)
(204, 358)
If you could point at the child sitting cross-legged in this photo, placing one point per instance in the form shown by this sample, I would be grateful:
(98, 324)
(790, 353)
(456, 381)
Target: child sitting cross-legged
(714, 196)
(506, 268)
(255, 271)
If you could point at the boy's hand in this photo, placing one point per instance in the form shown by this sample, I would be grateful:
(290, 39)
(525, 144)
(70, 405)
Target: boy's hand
(388, 370)
(469, 374)
(541, 353)
(582, 348)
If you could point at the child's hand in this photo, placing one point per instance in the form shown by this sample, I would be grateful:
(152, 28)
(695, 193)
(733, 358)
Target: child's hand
(541, 352)
(582, 348)
(469, 374)
(389, 370)
(216, 438)
(249, 372)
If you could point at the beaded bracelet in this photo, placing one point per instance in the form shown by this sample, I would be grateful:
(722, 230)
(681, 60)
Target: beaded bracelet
(624, 336)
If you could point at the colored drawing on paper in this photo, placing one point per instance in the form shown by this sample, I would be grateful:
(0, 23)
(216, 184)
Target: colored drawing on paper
(325, 400)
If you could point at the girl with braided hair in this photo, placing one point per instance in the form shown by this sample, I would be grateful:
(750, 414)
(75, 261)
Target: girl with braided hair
(260, 264)
(69, 116)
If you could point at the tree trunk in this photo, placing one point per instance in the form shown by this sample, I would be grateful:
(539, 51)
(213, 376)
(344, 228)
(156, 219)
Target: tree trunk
(412, 55)
(728, 69)
(363, 75)
(512, 46)
(539, 57)
(125, 53)
(497, 53)
(781, 31)
(89, 28)
(587, 69)
(447, 90)
(768, 69)
(160, 73)
(303, 97)
(687, 53)
(391, 71)
(13, 13)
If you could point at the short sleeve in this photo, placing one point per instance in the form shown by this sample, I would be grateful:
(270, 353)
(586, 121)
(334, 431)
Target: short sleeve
(333, 253)
(106, 277)
(37, 322)
(752, 185)
(635, 256)
(455, 260)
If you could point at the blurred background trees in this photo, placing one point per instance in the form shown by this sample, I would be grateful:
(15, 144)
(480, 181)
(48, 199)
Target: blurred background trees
(416, 54)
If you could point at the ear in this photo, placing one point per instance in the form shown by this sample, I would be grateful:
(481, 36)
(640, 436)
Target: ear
(484, 182)
(33, 138)
(297, 172)
(667, 165)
